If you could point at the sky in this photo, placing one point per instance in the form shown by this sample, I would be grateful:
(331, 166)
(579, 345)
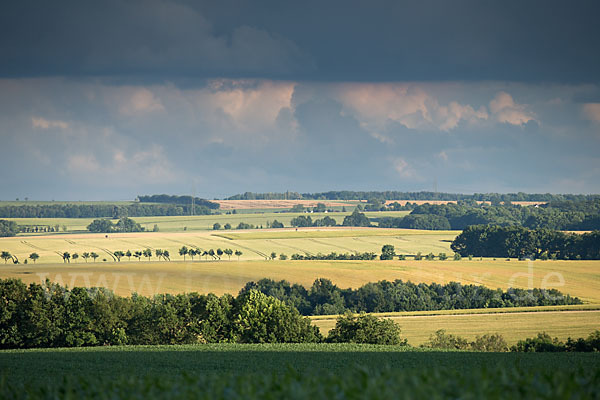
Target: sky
(110, 100)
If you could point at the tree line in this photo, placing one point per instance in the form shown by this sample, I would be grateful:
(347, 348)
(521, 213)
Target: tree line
(559, 215)
(139, 254)
(107, 226)
(50, 315)
(182, 200)
(325, 298)
(99, 210)
(423, 195)
(520, 242)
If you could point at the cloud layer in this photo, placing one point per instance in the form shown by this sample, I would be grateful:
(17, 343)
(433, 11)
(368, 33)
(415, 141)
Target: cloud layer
(93, 139)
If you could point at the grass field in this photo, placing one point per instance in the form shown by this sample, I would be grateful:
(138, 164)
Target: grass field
(199, 222)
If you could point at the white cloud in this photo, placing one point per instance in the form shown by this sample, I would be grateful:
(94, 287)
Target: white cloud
(250, 106)
(504, 109)
(403, 168)
(42, 123)
(139, 101)
(592, 111)
(448, 117)
(83, 164)
(145, 166)
(378, 104)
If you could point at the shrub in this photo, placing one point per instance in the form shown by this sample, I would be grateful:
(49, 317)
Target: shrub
(442, 340)
(387, 252)
(276, 224)
(365, 328)
(541, 343)
(263, 319)
(489, 342)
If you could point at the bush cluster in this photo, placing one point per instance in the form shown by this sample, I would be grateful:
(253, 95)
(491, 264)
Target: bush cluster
(446, 341)
(496, 343)
(335, 256)
(544, 343)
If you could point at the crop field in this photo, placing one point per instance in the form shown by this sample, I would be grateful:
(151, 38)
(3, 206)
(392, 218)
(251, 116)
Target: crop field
(417, 327)
(255, 244)
(577, 278)
(198, 222)
(298, 371)
(46, 365)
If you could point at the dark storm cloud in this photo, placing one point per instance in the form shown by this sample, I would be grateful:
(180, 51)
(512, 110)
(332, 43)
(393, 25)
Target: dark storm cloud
(548, 40)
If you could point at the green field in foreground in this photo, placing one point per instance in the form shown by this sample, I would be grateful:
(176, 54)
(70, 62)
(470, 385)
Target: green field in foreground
(45, 365)
(300, 371)
(199, 222)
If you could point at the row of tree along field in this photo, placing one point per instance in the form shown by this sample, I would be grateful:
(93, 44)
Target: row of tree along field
(100, 210)
(529, 245)
(326, 298)
(419, 196)
(52, 316)
(519, 242)
(139, 254)
(559, 215)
